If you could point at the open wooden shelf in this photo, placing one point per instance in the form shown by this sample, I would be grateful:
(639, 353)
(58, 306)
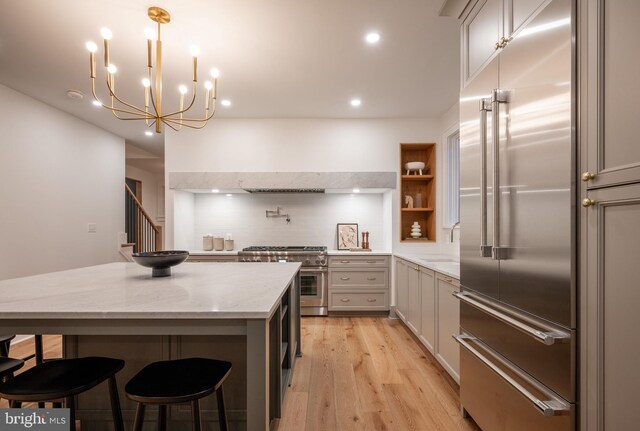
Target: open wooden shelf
(421, 188)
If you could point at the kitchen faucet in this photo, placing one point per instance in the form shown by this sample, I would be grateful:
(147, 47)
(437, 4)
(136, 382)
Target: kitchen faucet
(452, 228)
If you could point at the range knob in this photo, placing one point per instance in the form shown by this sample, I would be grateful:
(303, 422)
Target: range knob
(307, 261)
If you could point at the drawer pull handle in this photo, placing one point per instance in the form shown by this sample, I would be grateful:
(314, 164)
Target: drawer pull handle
(344, 261)
(371, 278)
(371, 261)
(371, 300)
(548, 408)
(345, 278)
(547, 336)
(448, 279)
(345, 300)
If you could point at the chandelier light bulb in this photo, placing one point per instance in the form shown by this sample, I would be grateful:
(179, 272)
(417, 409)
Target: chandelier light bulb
(106, 33)
(96, 103)
(208, 85)
(372, 38)
(91, 46)
(112, 69)
(194, 50)
(149, 33)
(182, 89)
(215, 73)
(146, 83)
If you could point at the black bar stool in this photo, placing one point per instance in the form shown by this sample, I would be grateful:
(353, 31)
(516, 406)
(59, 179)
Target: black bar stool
(65, 378)
(5, 343)
(175, 382)
(8, 366)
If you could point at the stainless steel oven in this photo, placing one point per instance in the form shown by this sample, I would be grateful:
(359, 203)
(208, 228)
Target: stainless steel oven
(314, 286)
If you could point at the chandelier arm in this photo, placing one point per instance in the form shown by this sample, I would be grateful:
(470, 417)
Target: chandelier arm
(195, 119)
(93, 92)
(185, 125)
(113, 94)
(153, 102)
(175, 129)
(193, 99)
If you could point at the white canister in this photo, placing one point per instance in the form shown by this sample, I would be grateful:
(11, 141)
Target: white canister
(207, 243)
(228, 244)
(218, 244)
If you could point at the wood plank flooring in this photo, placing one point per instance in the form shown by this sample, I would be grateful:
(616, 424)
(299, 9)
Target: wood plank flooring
(356, 373)
(360, 373)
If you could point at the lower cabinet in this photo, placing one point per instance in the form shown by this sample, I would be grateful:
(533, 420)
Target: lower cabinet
(359, 284)
(212, 258)
(425, 303)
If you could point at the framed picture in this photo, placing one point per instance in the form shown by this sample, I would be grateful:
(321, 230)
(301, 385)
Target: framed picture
(347, 236)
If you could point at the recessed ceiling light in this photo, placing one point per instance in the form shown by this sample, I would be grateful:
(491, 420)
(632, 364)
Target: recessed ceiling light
(372, 38)
(96, 103)
(356, 102)
(215, 191)
(229, 195)
(225, 102)
(148, 133)
(356, 190)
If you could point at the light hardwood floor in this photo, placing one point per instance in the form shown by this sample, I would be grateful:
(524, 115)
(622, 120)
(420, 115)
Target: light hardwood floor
(365, 373)
(356, 373)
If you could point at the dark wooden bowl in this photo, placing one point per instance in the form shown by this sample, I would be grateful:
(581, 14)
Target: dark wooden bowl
(161, 261)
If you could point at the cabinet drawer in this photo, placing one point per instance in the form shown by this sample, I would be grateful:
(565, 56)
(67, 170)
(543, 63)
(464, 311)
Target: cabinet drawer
(374, 300)
(367, 278)
(358, 261)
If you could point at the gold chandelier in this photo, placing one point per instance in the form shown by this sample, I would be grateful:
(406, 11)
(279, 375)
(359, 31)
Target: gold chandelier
(175, 119)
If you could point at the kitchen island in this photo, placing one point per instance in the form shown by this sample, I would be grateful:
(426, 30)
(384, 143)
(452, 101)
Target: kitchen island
(244, 313)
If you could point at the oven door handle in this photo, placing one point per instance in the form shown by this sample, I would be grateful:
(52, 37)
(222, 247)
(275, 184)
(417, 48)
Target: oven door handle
(307, 269)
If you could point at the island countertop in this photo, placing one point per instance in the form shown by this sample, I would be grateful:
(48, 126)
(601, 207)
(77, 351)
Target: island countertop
(125, 290)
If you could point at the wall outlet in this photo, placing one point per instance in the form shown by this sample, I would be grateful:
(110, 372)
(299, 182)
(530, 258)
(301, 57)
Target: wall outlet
(92, 228)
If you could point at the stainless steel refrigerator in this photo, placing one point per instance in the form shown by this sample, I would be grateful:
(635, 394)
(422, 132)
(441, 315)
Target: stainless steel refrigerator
(518, 232)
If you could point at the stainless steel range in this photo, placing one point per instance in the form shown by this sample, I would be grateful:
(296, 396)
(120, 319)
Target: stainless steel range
(314, 282)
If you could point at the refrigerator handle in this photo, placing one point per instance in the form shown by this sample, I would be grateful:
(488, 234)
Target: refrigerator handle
(485, 106)
(498, 96)
(549, 408)
(548, 336)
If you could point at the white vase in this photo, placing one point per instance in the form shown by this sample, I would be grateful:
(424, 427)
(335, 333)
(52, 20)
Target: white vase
(416, 230)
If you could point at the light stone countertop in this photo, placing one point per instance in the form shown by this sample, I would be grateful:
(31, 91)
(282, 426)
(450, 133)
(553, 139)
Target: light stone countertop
(444, 264)
(126, 290)
(213, 253)
(358, 253)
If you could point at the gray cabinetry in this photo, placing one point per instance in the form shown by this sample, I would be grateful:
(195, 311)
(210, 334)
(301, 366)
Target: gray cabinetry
(609, 71)
(448, 312)
(212, 258)
(414, 314)
(402, 288)
(428, 309)
(358, 283)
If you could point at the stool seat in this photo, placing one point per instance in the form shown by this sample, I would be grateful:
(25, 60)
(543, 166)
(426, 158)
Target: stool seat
(60, 378)
(177, 381)
(9, 365)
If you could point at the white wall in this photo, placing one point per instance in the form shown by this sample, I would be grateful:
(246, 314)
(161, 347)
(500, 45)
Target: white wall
(313, 218)
(294, 145)
(58, 174)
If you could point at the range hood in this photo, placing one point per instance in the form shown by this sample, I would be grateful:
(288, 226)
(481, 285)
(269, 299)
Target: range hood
(282, 182)
(284, 190)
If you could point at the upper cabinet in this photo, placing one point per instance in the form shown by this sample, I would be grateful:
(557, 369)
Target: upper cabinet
(609, 72)
(487, 27)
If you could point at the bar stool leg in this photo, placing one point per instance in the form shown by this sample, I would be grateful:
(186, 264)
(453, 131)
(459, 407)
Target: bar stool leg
(56, 405)
(222, 412)
(37, 341)
(15, 404)
(162, 417)
(139, 420)
(71, 405)
(197, 419)
(118, 423)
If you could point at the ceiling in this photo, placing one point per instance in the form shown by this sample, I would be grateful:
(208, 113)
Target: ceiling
(278, 58)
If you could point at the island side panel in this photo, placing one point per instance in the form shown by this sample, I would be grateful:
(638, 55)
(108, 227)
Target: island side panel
(258, 359)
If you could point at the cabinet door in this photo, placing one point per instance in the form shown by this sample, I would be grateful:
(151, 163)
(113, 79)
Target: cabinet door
(402, 289)
(612, 70)
(447, 349)
(428, 309)
(611, 301)
(413, 308)
(481, 30)
(518, 12)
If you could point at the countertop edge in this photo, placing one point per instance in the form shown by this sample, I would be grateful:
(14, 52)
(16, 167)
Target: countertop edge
(434, 266)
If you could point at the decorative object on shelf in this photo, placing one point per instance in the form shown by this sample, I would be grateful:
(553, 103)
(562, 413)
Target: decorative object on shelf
(413, 167)
(347, 236)
(418, 200)
(174, 119)
(408, 201)
(365, 242)
(416, 230)
(207, 242)
(218, 244)
(228, 243)
(160, 261)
